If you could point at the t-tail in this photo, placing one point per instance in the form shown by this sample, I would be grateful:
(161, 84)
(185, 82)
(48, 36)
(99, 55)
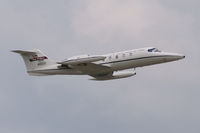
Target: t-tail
(35, 60)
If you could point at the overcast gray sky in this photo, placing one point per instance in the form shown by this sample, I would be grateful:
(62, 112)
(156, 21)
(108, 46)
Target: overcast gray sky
(160, 99)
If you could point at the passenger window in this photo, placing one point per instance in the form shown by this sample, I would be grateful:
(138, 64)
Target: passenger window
(116, 57)
(130, 54)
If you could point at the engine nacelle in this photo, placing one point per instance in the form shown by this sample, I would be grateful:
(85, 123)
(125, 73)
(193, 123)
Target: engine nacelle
(82, 59)
(123, 74)
(117, 75)
(78, 57)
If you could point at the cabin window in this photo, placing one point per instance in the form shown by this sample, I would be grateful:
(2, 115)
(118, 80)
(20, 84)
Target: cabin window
(154, 50)
(130, 54)
(116, 56)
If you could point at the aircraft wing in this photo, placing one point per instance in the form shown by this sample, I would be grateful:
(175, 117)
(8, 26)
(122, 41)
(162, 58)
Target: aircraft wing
(92, 69)
(87, 65)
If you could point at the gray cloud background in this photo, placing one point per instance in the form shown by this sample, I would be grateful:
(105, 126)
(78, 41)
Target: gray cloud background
(162, 98)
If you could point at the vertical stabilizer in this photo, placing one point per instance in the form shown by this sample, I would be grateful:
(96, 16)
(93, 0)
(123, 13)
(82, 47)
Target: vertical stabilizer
(35, 59)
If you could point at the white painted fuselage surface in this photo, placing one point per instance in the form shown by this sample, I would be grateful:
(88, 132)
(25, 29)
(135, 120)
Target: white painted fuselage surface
(101, 67)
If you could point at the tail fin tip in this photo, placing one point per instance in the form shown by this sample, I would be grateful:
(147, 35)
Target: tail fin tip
(23, 52)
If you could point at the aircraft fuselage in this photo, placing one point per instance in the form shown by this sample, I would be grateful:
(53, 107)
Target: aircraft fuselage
(101, 67)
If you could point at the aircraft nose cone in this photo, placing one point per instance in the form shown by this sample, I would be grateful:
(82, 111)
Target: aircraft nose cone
(175, 56)
(179, 56)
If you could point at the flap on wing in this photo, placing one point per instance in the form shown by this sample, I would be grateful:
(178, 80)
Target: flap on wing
(82, 60)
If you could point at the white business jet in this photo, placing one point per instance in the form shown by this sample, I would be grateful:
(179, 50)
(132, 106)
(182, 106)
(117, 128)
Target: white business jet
(100, 67)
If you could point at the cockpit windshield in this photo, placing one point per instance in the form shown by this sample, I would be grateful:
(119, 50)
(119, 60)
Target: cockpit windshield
(154, 50)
